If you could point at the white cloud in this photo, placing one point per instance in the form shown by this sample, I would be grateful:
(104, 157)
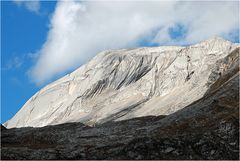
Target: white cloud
(81, 29)
(33, 5)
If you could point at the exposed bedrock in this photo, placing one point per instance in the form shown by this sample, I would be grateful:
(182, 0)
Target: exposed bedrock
(128, 83)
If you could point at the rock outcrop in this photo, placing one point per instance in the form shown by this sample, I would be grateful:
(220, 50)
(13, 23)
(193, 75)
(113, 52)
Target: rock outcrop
(128, 83)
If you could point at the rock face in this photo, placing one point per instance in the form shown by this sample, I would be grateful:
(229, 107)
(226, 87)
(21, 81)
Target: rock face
(194, 91)
(206, 129)
(128, 83)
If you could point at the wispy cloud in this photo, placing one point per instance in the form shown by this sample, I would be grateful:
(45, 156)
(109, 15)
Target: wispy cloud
(81, 29)
(16, 62)
(33, 6)
(13, 63)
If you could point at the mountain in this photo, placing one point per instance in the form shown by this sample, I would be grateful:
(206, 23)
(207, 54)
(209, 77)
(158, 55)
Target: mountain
(127, 83)
(153, 107)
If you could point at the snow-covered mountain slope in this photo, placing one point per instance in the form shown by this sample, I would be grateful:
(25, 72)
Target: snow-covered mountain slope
(129, 83)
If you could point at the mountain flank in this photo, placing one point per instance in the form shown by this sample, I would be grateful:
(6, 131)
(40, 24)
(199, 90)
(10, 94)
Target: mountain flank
(149, 103)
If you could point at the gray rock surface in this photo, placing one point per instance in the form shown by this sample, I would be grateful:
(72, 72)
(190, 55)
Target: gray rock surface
(122, 84)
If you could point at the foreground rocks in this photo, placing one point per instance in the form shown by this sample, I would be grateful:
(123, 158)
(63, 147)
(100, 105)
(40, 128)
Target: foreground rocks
(206, 129)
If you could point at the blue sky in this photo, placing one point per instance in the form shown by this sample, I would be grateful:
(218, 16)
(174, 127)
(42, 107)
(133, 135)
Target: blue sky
(42, 41)
(22, 33)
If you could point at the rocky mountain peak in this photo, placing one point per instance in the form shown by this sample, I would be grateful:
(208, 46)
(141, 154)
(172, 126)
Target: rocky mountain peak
(127, 83)
(146, 103)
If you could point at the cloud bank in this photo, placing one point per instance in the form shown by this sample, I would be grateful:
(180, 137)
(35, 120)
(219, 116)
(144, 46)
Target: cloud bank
(79, 30)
